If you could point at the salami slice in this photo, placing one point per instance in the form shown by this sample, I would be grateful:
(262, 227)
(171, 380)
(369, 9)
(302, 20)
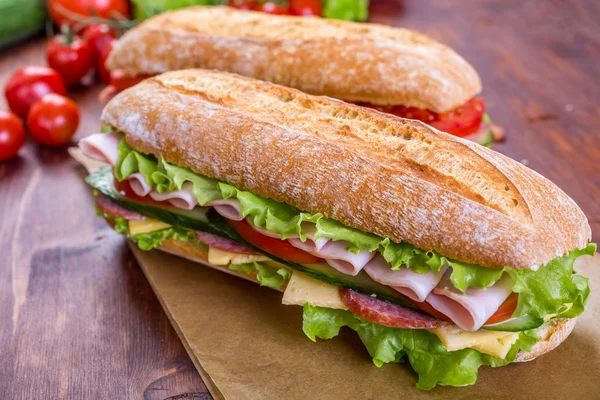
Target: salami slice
(387, 314)
(223, 243)
(108, 206)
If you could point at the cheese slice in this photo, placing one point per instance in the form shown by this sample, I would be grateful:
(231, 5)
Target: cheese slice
(148, 225)
(494, 343)
(222, 257)
(302, 289)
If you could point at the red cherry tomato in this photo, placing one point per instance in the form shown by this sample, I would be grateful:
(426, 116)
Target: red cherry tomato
(272, 8)
(12, 135)
(101, 61)
(98, 37)
(277, 247)
(53, 120)
(462, 121)
(305, 7)
(506, 309)
(29, 84)
(72, 58)
(63, 11)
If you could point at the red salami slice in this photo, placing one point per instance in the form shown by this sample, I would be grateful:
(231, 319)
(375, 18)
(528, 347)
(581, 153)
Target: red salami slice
(223, 243)
(108, 206)
(387, 314)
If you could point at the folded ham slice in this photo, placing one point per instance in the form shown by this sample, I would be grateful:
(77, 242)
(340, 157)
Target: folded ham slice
(138, 184)
(471, 309)
(101, 147)
(228, 208)
(411, 284)
(183, 198)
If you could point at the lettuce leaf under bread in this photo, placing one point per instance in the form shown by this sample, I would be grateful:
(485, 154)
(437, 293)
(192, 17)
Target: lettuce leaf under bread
(424, 351)
(267, 275)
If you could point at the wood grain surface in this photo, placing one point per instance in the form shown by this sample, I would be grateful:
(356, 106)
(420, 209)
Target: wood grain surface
(79, 318)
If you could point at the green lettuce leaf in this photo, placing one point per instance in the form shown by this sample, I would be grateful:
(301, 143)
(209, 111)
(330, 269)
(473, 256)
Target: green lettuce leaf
(426, 354)
(267, 275)
(349, 10)
(151, 240)
(553, 289)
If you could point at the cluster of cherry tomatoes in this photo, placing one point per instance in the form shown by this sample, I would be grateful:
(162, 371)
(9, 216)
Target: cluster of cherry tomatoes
(291, 7)
(36, 95)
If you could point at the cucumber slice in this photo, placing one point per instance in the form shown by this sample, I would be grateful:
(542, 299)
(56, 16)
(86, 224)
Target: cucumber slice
(518, 324)
(206, 220)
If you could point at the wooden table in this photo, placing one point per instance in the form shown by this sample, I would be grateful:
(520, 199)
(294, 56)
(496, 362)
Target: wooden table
(80, 320)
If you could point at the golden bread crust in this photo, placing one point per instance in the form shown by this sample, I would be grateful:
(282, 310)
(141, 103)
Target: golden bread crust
(372, 171)
(351, 61)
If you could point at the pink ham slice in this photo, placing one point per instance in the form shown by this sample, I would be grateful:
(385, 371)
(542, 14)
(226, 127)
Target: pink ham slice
(387, 314)
(101, 147)
(335, 253)
(411, 284)
(223, 243)
(138, 184)
(183, 198)
(228, 208)
(471, 309)
(108, 206)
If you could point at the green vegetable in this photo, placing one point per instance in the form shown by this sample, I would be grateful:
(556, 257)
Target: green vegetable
(349, 10)
(20, 19)
(425, 352)
(267, 275)
(143, 9)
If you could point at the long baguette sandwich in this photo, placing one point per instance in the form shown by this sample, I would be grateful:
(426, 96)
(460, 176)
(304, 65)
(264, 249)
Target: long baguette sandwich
(436, 250)
(391, 69)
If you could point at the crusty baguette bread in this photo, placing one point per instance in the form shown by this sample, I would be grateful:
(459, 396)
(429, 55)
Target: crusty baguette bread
(550, 335)
(372, 171)
(350, 61)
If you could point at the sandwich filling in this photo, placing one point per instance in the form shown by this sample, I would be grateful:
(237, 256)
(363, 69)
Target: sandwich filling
(445, 316)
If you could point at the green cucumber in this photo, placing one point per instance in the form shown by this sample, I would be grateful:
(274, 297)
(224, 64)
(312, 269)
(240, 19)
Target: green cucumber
(518, 324)
(201, 219)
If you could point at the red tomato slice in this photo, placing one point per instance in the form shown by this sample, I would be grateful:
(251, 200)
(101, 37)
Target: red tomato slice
(462, 121)
(277, 247)
(506, 309)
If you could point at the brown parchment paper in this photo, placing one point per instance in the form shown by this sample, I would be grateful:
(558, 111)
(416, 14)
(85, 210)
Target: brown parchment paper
(247, 345)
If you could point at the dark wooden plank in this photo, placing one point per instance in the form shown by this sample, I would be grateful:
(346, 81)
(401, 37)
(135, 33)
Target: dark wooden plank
(80, 320)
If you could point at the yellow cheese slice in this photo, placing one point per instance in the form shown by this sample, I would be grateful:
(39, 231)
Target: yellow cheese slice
(302, 289)
(494, 343)
(148, 225)
(222, 257)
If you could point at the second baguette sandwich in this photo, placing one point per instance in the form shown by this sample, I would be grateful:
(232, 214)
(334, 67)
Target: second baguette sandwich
(392, 69)
(431, 247)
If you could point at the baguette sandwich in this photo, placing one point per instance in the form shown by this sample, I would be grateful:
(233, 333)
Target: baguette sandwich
(391, 69)
(436, 250)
